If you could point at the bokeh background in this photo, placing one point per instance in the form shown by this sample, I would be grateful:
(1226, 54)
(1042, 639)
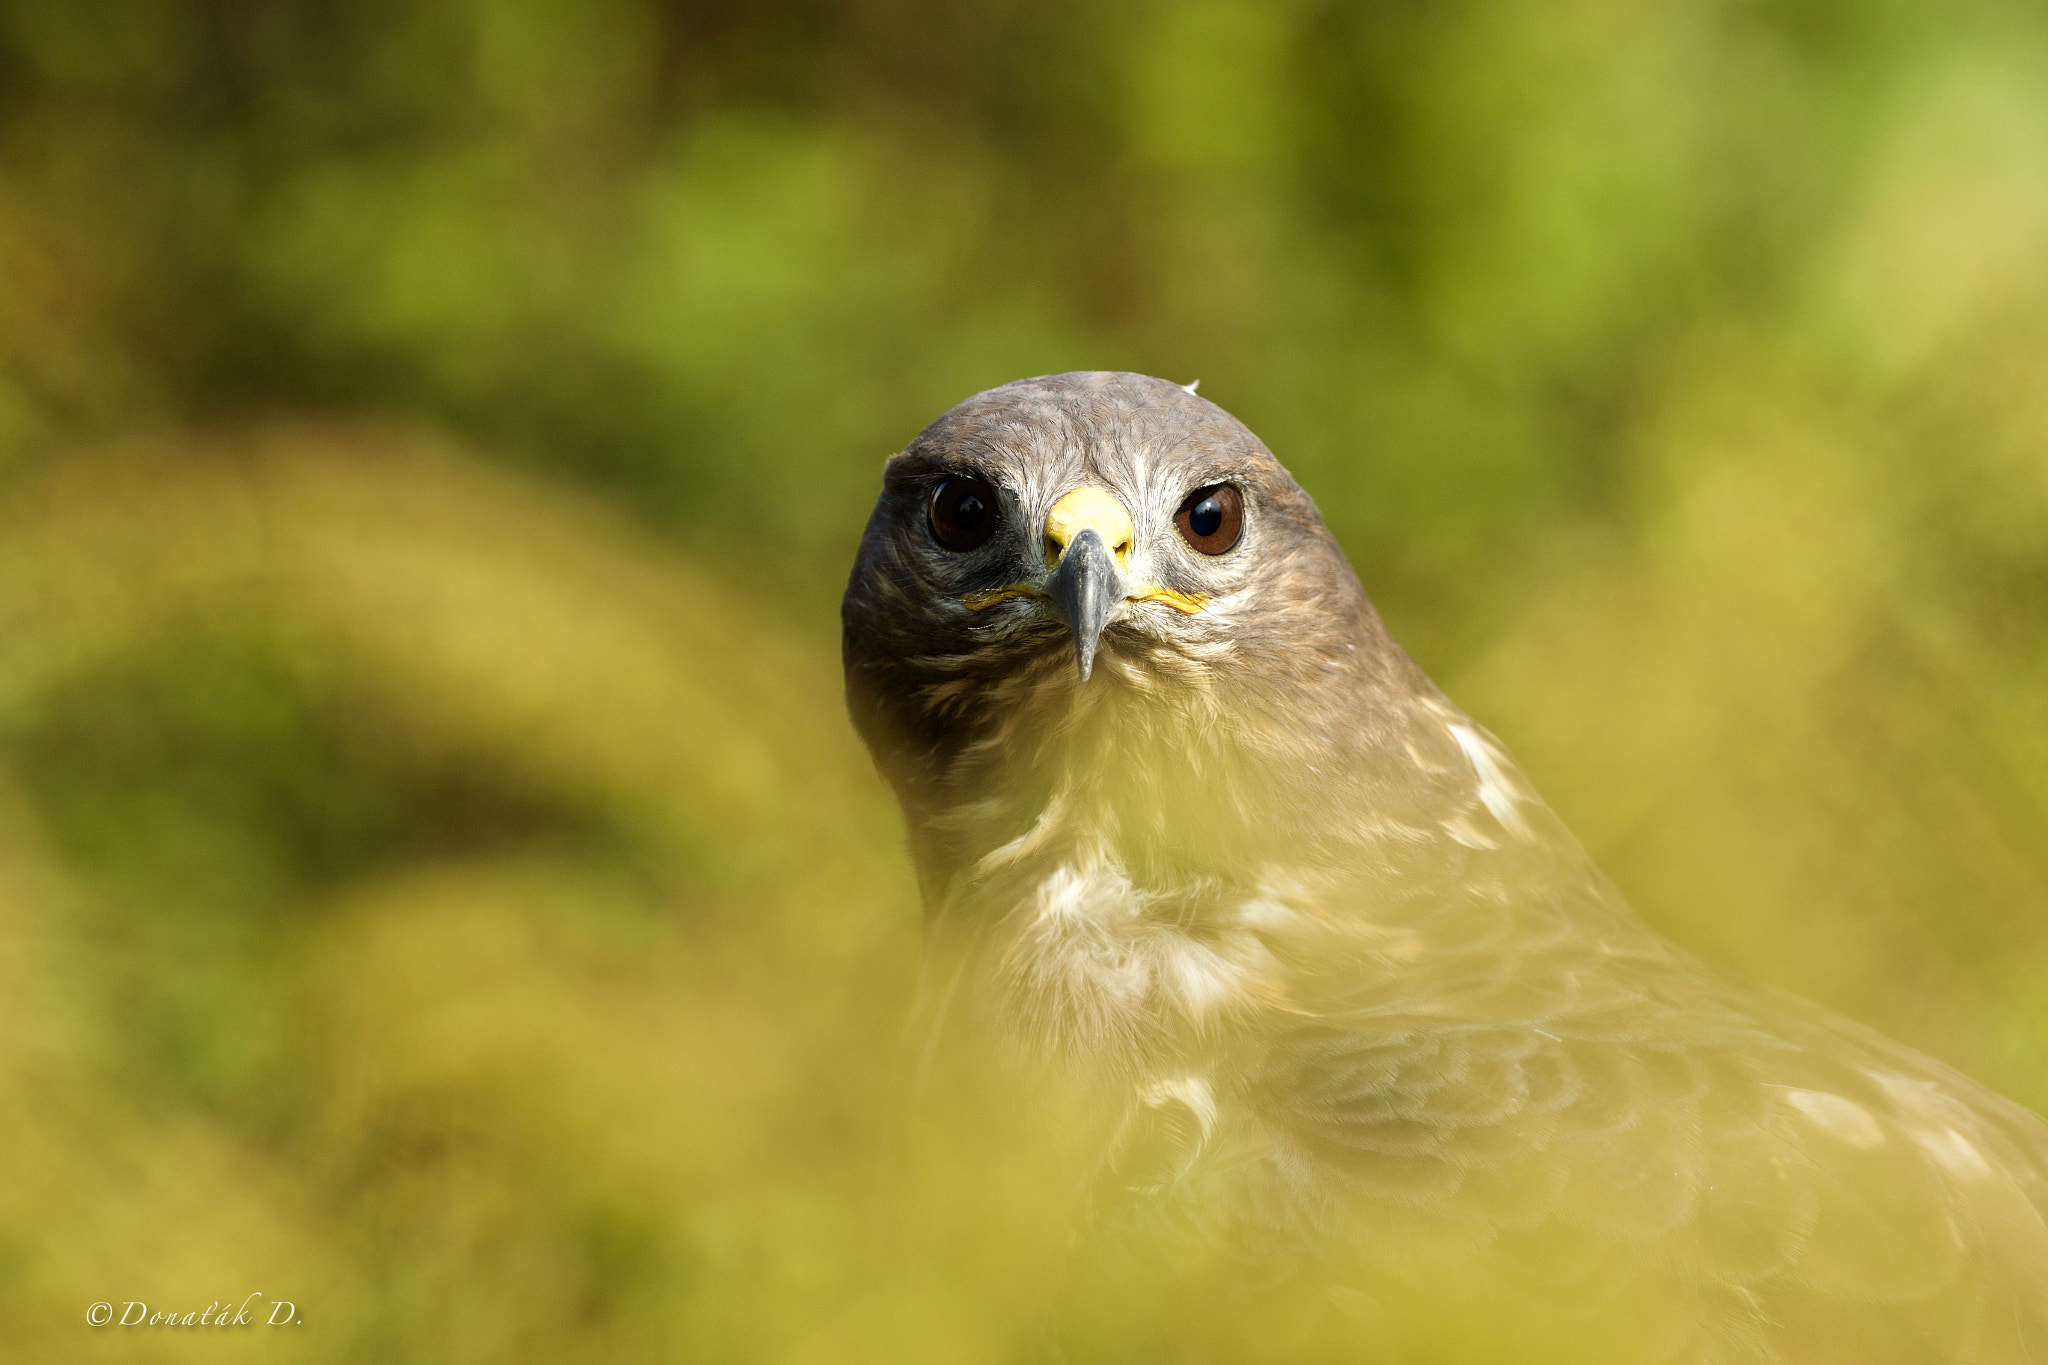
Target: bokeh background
(437, 883)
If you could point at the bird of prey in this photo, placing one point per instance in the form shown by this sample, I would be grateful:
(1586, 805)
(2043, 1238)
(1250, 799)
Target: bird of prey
(1202, 833)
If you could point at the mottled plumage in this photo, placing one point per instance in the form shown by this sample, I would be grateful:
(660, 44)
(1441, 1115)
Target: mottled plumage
(1344, 980)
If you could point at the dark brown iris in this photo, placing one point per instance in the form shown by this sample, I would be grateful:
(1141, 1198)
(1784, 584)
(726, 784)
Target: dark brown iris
(1212, 518)
(963, 512)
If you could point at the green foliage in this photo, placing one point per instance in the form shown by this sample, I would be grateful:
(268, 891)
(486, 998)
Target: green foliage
(437, 876)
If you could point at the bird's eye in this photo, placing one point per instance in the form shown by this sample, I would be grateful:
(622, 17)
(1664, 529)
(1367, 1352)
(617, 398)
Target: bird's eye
(963, 513)
(1212, 518)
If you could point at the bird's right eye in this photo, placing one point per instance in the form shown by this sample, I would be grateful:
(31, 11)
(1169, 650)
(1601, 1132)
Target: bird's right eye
(963, 513)
(1212, 518)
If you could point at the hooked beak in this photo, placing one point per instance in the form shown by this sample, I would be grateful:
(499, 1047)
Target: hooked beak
(1087, 542)
(1087, 550)
(1086, 586)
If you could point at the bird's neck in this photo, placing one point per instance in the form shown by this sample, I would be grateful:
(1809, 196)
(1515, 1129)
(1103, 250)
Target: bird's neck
(1186, 779)
(1128, 889)
(1117, 872)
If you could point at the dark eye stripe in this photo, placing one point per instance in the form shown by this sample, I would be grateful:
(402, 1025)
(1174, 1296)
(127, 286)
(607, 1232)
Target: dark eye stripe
(1212, 518)
(964, 512)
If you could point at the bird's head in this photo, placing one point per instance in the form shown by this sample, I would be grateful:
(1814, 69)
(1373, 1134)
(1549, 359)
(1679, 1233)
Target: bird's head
(1107, 574)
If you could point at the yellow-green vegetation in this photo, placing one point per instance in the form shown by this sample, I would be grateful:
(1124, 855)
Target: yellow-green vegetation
(438, 886)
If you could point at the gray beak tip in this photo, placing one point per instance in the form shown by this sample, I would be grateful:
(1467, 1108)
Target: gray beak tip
(1086, 586)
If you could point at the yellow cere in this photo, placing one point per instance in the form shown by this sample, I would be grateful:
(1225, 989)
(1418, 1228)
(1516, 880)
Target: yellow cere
(1080, 510)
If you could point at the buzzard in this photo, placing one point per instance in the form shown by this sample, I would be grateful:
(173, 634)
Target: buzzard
(1190, 826)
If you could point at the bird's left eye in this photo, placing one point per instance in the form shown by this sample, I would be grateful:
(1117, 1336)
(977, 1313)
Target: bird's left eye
(1212, 518)
(963, 513)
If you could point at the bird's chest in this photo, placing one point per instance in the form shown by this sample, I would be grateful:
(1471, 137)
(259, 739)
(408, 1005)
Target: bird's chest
(1137, 980)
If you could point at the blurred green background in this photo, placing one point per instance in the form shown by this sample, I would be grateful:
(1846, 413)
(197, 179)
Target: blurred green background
(437, 883)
